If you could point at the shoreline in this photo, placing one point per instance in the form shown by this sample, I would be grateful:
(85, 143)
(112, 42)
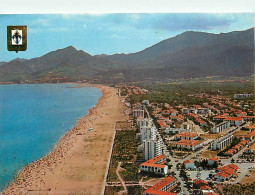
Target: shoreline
(35, 176)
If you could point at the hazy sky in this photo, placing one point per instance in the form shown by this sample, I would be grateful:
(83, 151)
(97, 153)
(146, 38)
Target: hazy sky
(111, 33)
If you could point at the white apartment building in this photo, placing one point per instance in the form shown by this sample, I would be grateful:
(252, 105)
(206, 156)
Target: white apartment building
(138, 112)
(141, 122)
(152, 148)
(220, 127)
(246, 95)
(176, 130)
(148, 132)
(222, 142)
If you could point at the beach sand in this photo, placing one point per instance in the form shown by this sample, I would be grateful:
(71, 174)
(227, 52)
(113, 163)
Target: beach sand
(79, 163)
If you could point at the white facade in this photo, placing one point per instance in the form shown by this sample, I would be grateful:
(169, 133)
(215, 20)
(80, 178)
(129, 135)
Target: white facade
(220, 127)
(222, 142)
(148, 132)
(152, 148)
(155, 169)
(176, 130)
(190, 165)
(243, 95)
(137, 113)
(142, 122)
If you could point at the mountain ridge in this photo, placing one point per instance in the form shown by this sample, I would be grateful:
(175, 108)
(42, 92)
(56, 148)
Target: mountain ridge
(190, 54)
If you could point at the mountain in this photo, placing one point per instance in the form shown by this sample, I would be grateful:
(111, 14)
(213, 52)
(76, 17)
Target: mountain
(188, 55)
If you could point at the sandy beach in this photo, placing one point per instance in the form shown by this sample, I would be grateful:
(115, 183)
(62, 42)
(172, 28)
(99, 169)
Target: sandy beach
(79, 162)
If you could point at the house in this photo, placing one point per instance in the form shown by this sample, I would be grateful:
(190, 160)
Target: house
(201, 184)
(188, 144)
(225, 173)
(163, 187)
(212, 161)
(155, 165)
(251, 149)
(250, 136)
(189, 164)
(186, 135)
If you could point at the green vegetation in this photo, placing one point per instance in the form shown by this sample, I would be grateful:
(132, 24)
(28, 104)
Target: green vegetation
(175, 93)
(133, 190)
(239, 189)
(113, 190)
(125, 151)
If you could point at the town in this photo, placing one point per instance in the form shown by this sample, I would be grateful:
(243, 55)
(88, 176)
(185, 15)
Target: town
(188, 148)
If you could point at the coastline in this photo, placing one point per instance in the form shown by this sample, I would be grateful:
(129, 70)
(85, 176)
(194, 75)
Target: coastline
(67, 168)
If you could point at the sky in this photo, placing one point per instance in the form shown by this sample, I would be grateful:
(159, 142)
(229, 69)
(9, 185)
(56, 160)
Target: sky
(111, 33)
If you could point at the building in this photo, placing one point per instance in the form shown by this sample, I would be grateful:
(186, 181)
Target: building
(226, 173)
(236, 121)
(250, 150)
(188, 144)
(220, 127)
(250, 136)
(201, 184)
(148, 132)
(189, 164)
(186, 135)
(152, 148)
(163, 187)
(137, 113)
(155, 165)
(143, 122)
(175, 130)
(246, 95)
(222, 142)
(204, 111)
(213, 161)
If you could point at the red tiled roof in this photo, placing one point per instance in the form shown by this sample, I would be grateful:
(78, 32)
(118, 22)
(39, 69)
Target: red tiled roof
(152, 162)
(186, 134)
(214, 159)
(188, 142)
(158, 186)
(233, 119)
(188, 161)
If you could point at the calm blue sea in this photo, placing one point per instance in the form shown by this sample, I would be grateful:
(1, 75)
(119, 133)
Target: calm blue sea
(33, 118)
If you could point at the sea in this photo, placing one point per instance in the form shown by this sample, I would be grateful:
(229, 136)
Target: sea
(33, 117)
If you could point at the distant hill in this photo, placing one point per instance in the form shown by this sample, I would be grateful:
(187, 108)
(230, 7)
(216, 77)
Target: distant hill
(188, 55)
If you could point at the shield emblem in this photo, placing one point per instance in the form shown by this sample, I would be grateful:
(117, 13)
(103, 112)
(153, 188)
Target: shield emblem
(17, 38)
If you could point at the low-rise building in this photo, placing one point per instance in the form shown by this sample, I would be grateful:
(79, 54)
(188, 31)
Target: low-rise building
(213, 161)
(227, 172)
(250, 150)
(186, 135)
(189, 164)
(220, 127)
(236, 121)
(155, 165)
(222, 142)
(176, 130)
(245, 95)
(188, 144)
(163, 187)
